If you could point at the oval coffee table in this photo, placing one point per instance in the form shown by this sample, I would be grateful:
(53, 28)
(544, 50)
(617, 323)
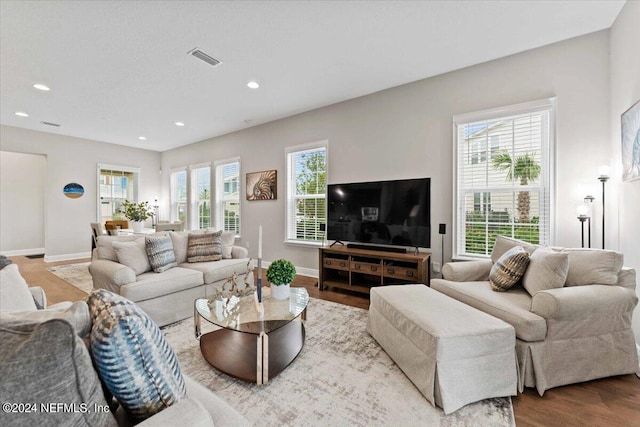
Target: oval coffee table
(248, 347)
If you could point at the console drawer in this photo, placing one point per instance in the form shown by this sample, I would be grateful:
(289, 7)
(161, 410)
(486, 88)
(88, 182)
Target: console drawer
(336, 263)
(366, 267)
(401, 272)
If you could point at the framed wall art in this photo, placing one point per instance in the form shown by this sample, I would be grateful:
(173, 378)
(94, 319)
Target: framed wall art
(631, 143)
(73, 190)
(262, 185)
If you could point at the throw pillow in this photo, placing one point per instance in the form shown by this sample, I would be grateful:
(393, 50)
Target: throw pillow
(503, 244)
(48, 363)
(204, 247)
(132, 356)
(228, 239)
(14, 291)
(509, 269)
(593, 266)
(77, 315)
(547, 270)
(133, 255)
(104, 246)
(180, 240)
(160, 252)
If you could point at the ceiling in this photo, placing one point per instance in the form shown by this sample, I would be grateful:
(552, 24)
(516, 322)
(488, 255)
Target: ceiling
(121, 70)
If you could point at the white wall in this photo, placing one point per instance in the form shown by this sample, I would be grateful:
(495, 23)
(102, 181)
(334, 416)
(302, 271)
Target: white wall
(69, 159)
(22, 187)
(406, 132)
(625, 91)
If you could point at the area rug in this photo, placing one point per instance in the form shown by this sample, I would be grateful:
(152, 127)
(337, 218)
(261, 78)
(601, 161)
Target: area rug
(341, 377)
(75, 274)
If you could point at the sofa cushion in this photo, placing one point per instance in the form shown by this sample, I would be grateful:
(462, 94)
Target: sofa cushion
(503, 244)
(593, 266)
(204, 247)
(133, 255)
(47, 363)
(547, 270)
(509, 269)
(219, 270)
(228, 239)
(152, 285)
(77, 315)
(160, 253)
(14, 291)
(512, 306)
(132, 356)
(104, 246)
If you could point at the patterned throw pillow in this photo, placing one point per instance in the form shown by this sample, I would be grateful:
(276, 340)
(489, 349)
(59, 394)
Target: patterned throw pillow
(160, 252)
(132, 356)
(509, 269)
(204, 247)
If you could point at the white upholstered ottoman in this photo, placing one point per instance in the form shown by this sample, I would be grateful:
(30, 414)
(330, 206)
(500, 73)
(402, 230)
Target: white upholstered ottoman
(453, 353)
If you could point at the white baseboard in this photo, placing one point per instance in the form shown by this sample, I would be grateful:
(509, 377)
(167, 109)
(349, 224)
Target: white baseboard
(23, 252)
(66, 257)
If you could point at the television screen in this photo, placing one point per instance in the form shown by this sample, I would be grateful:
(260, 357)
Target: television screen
(386, 212)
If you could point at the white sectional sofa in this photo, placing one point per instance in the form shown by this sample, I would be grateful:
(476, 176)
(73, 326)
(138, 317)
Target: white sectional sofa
(166, 297)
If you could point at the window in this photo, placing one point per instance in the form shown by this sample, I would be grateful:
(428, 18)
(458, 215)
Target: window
(200, 196)
(179, 195)
(503, 176)
(306, 192)
(116, 184)
(228, 195)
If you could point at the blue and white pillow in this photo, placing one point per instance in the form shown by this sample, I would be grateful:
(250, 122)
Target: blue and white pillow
(132, 357)
(160, 253)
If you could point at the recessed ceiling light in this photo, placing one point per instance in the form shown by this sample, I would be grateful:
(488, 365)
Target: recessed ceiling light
(179, 124)
(21, 114)
(142, 138)
(253, 85)
(40, 86)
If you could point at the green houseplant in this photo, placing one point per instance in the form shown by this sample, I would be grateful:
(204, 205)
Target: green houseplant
(280, 274)
(136, 212)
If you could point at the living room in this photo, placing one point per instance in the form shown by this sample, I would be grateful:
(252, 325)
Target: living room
(403, 131)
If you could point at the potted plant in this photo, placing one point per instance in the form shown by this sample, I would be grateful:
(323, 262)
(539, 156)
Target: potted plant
(280, 274)
(137, 213)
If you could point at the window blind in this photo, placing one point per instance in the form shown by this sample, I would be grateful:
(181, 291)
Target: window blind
(228, 191)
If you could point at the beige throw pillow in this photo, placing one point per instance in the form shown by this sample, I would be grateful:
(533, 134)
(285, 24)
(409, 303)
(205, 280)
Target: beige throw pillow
(503, 244)
(509, 269)
(547, 270)
(204, 247)
(133, 255)
(593, 266)
(228, 239)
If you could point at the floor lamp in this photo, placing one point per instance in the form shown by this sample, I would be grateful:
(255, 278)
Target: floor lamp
(582, 216)
(604, 177)
(588, 201)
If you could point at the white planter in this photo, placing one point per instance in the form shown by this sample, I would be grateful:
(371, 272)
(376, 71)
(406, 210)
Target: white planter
(279, 292)
(137, 226)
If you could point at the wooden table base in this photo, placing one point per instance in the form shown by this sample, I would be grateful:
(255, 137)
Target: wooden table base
(235, 353)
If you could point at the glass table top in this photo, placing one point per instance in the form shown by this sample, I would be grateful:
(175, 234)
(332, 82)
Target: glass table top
(240, 313)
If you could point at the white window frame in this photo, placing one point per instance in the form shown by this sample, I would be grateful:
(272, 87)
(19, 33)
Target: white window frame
(547, 175)
(172, 196)
(221, 199)
(128, 169)
(290, 217)
(194, 196)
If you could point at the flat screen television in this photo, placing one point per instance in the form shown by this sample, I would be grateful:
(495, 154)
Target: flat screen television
(392, 213)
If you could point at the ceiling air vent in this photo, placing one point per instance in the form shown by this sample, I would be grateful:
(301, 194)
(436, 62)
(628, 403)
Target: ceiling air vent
(51, 124)
(204, 57)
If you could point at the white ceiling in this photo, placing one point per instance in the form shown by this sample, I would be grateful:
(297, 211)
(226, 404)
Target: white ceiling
(119, 70)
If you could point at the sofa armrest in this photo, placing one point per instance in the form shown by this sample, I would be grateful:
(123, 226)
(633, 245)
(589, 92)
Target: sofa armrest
(186, 412)
(585, 311)
(467, 271)
(239, 252)
(39, 296)
(110, 275)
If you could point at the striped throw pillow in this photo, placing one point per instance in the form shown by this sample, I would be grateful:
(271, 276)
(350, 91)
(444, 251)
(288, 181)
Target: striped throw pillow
(160, 253)
(509, 269)
(132, 357)
(204, 247)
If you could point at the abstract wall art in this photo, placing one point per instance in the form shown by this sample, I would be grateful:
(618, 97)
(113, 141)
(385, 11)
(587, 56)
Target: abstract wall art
(262, 185)
(73, 190)
(631, 143)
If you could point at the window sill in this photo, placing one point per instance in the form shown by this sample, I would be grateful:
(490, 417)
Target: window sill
(304, 244)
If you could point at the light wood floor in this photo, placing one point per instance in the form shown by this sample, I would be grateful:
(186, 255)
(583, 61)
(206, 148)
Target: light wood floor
(611, 401)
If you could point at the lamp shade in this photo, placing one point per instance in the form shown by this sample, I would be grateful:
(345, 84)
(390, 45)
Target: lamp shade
(582, 210)
(604, 171)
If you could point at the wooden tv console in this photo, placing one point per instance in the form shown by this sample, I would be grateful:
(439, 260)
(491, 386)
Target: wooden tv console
(359, 270)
